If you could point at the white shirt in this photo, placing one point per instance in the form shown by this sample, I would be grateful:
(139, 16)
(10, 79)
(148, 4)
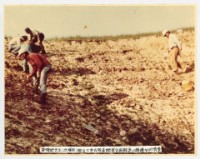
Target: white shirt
(173, 42)
(15, 41)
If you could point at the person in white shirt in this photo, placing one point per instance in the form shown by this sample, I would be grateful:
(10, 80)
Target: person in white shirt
(175, 48)
(15, 44)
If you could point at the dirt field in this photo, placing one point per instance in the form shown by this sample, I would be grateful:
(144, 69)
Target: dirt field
(123, 88)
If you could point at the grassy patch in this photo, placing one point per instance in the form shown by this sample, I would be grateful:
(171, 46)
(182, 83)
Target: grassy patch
(105, 38)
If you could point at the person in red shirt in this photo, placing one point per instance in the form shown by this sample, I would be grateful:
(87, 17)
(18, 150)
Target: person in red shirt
(40, 69)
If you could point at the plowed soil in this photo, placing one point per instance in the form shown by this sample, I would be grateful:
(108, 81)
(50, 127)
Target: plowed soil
(123, 88)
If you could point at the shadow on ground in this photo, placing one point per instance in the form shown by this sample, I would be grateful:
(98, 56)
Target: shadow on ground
(61, 123)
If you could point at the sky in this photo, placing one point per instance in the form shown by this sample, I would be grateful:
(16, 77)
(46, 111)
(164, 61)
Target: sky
(95, 20)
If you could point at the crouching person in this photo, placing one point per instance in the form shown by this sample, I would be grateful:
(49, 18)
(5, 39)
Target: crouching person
(15, 44)
(40, 69)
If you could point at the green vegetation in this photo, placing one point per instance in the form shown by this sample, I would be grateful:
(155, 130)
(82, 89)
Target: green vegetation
(104, 38)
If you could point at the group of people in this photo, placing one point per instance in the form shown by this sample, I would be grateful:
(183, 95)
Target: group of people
(38, 65)
(35, 42)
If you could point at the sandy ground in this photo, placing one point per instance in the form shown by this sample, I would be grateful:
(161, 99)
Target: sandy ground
(124, 89)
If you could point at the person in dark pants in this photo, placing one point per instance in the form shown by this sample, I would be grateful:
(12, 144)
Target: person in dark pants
(36, 36)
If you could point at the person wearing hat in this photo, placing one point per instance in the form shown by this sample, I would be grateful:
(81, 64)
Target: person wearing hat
(36, 36)
(15, 44)
(40, 69)
(175, 48)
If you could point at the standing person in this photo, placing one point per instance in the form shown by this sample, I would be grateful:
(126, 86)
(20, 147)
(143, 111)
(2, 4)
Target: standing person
(15, 44)
(40, 69)
(175, 48)
(36, 36)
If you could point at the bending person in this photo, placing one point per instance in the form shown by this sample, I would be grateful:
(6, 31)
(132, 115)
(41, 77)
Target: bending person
(15, 44)
(40, 69)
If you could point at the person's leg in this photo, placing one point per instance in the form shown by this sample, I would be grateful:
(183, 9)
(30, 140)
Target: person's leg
(34, 79)
(42, 48)
(41, 38)
(173, 59)
(25, 66)
(43, 79)
(11, 47)
(14, 48)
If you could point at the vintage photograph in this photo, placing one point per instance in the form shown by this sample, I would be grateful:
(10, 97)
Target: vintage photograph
(113, 79)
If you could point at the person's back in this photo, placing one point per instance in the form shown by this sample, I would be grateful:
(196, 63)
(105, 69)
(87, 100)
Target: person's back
(35, 32)
(38, 61)
(15, 44)
(15, 41)
(173, 42)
